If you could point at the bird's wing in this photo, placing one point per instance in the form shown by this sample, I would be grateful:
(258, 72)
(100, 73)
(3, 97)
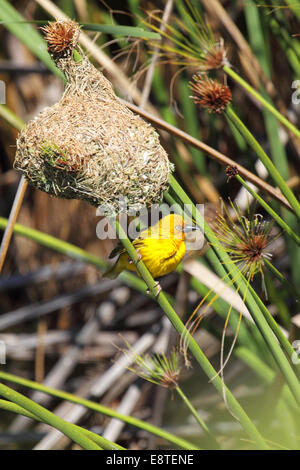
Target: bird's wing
(118, 250)
(170, 248)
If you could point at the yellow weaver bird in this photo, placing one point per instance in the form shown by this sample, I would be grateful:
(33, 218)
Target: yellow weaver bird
(161, 247)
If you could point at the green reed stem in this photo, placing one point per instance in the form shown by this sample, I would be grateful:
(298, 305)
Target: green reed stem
(262, 318)
(294, 5)
(274, 173)
(72, 251)
(292, 289)
(247, 332)
(100, 409)
(46, 416)
(11, 117)
(105, 444)
(269, 209)
(259, 42)
(197, 417)
(289, 45)
(283, 340)
(77, 253)
(277, 298)
(270, 320)
(27, 34)
(262, 100)
(196, 351)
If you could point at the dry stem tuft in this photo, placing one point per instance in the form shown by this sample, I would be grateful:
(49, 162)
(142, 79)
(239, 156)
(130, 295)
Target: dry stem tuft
(210, 94)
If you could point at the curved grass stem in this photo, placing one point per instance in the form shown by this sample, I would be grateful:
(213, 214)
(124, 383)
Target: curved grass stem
(262, 318)
(46, 416)
(274, 173)
(236, 77)
(269, 209)
(72, 251)
(100, 409)
(292, 289)
(105, 444)
(197, 417)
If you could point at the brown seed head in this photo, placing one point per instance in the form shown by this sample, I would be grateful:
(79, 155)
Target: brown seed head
(210, 94)
(231, 171)
(62, 37)
(254, 247)
(246, 239)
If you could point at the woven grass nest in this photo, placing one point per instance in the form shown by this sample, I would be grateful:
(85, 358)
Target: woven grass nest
(89, 145)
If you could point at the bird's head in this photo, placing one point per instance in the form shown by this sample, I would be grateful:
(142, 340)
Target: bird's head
(174, 226)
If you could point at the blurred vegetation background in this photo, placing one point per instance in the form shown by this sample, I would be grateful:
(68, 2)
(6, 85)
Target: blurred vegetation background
(60, 321)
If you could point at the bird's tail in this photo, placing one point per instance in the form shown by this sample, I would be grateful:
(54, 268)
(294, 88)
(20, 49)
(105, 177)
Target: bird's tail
(113, 271)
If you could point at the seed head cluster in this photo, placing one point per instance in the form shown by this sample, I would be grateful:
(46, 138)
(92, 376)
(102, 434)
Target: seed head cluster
(245, 239)
(61, 37)
(210, 94)
(156, 368)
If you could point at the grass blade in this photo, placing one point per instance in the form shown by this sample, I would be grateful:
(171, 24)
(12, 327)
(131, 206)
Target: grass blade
(117, 30)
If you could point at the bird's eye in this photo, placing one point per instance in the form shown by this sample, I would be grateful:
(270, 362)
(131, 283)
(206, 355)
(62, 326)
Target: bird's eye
(178, 227)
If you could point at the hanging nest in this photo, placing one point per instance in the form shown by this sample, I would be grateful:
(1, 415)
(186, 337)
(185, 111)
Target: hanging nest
(89, 145)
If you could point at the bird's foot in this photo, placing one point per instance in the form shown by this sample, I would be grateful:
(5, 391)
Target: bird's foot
(158, 290)
(139, 257)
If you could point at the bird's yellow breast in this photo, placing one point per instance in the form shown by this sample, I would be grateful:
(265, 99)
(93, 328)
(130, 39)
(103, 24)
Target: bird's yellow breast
(161, 256)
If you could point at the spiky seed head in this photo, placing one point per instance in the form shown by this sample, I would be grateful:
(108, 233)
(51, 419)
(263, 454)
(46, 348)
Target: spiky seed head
(231, 171)
(155, 368)
(207, 54)
(210, 94)
(245, 239)
(62, 37)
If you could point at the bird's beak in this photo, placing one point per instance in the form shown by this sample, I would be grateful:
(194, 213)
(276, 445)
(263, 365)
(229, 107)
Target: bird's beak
(190, 228)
